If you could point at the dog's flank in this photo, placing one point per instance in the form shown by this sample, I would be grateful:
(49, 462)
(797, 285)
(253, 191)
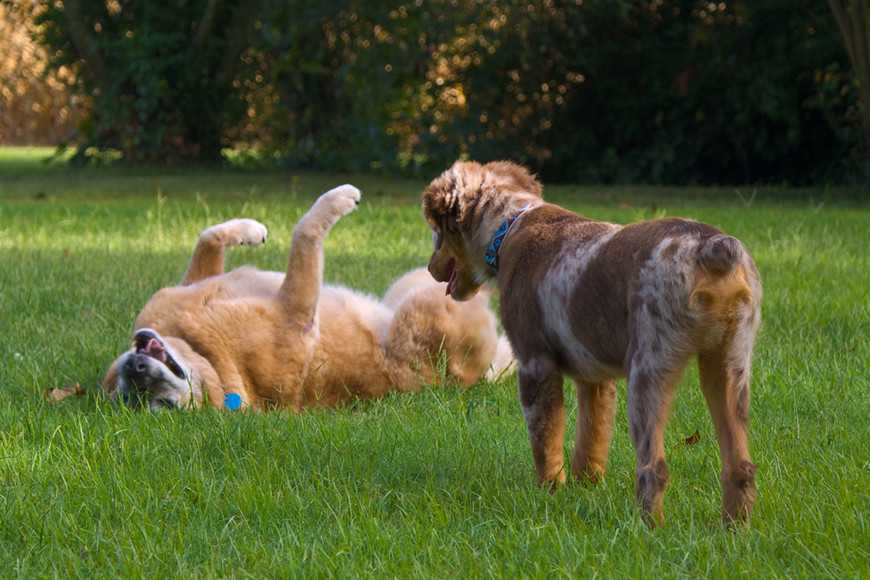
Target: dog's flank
(597, 301)
(288, 340)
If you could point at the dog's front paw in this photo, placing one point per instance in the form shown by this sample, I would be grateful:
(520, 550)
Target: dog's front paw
(341, 201)
(239, 232)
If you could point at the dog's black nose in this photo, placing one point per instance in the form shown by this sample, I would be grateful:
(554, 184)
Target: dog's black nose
(136, 365)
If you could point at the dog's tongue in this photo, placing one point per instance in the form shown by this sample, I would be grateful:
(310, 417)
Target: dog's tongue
(155, 349)
(451, 283)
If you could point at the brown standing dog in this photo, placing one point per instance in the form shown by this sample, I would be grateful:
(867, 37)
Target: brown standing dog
(597, 301)
(287, 340)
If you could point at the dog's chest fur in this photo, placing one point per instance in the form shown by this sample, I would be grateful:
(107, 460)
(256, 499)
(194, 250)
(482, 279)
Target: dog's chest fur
(586, 293)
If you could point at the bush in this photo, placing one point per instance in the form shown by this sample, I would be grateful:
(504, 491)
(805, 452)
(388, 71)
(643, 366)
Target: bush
(164, 75)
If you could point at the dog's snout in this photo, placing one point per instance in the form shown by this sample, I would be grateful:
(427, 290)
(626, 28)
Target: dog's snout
(136, 365)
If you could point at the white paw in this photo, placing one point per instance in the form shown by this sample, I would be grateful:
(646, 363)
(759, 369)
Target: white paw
(240, 232)
(342, 200)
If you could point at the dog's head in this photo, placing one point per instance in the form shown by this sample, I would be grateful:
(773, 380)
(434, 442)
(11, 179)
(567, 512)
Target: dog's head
(464, 206)
(160, 372)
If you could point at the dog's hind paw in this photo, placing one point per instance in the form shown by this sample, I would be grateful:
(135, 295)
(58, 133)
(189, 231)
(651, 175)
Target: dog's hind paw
(239, 232)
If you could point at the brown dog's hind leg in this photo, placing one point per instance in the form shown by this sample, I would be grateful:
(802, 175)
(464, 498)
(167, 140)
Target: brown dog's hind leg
(725, 383)
(208, 255)
(650, 392)
(730, 313)
(596, 403)
(542, 399)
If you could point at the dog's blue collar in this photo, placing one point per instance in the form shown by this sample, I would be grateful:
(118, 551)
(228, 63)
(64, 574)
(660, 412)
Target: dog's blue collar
(491, 255)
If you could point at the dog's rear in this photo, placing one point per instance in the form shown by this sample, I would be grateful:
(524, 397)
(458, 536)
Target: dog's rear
(697, 294)
(726, 284)
(728, 297)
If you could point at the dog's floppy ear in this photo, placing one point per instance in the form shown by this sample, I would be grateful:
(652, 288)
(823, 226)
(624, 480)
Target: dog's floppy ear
(110, 381)
(444, 200)
(519, 176)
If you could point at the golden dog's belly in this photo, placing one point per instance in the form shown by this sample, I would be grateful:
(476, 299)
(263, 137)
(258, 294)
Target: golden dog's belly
(237, 320)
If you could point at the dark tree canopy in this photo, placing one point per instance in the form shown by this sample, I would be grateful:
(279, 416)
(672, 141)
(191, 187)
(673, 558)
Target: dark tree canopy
(660, 91)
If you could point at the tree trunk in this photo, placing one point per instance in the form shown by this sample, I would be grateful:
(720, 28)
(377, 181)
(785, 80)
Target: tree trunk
(84, 44)
(853, 20)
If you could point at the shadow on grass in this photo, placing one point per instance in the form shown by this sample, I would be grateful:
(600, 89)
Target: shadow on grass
(32, 173)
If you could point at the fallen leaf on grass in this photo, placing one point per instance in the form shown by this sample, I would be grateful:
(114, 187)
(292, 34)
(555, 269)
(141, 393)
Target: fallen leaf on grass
(58, 394)
(692, 439)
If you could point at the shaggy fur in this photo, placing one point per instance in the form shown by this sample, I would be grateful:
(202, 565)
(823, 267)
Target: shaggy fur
(289, 341)
(597, 301)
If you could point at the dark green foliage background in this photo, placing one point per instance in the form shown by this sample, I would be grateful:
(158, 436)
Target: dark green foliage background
(657, 91)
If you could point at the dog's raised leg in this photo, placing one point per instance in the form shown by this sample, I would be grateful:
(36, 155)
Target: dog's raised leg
(301, 287)
(725, 382)
(542, 398)
(208, 255)
(596, 404)
(650, 392)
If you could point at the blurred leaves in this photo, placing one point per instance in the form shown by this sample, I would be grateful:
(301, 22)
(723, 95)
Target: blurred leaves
(36, 105)
(58, 394)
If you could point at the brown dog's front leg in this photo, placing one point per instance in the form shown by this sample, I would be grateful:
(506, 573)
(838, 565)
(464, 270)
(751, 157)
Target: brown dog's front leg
(301, 287)
(596, 404)
(542, 399)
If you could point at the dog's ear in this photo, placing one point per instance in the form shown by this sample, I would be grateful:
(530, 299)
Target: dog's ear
(443, 199)
(110, 381)
(517, 175)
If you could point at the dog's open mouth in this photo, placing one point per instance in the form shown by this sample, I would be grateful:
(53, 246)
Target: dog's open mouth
(451, 276)
(146, 342)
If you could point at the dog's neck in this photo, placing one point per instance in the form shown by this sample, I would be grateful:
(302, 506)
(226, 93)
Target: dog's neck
(490, 256)
(203, 379)
(496, 225)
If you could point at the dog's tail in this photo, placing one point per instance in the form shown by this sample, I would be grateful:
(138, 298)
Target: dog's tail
(724, 282)
(503, 362)
(720, 254)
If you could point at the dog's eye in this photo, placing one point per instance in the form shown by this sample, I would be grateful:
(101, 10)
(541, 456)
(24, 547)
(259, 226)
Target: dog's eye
(448, 225)
(436, 240)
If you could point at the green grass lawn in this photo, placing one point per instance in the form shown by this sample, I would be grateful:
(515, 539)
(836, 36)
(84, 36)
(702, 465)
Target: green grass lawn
(435, 484)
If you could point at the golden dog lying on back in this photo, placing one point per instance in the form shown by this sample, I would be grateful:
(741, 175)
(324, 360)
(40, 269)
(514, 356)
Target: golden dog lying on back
(597, 301)
(275, 340)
